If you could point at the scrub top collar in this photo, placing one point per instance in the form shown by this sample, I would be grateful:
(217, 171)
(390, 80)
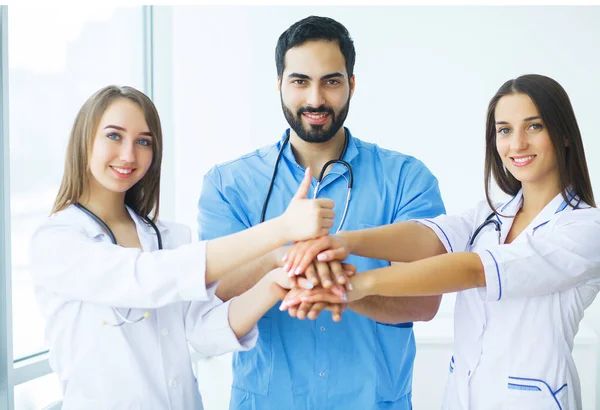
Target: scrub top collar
(334, 171)
(351, 151)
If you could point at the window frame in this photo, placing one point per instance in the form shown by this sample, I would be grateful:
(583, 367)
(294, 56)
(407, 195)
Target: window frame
(6, 360)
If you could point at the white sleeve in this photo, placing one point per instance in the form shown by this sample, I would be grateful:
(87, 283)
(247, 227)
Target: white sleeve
(208, 331)
(453, 231)
(66, 261)
(566, 257)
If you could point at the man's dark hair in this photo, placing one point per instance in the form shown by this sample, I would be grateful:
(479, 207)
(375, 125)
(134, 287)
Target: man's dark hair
(311, 29)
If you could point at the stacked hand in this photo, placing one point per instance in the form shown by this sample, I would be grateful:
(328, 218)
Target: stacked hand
(306, 263)
(324, 249)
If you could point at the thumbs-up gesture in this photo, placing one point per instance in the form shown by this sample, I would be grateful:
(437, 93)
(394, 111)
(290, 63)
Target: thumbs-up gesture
(307, 218)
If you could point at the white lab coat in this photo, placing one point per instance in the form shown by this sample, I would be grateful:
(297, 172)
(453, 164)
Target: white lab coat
(513, 339)
(79, 275)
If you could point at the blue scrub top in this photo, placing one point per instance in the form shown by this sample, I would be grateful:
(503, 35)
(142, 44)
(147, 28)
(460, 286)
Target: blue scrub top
(319, 364)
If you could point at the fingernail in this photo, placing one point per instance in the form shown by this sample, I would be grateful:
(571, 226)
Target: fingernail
(286, 267)
(341, 280)
(345, 297)
(298, 271)
(350, 286)
(327, 283)
(304, 299)
(308, 285)
(320, 257)
(282, 306)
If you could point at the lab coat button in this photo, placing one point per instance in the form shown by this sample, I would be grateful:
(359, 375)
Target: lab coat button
(164, 332)
(322, 374)
(322, 328)
(173, 383)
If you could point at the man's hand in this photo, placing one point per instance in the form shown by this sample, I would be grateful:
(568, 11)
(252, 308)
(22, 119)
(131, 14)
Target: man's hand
(281, 283)
(306, 218)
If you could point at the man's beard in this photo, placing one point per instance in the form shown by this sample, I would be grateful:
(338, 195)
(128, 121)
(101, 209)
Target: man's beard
(316, 132)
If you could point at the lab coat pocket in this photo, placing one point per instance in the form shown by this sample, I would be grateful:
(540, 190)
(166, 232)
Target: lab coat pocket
(252, 369)
(394, 355)
(528, 393)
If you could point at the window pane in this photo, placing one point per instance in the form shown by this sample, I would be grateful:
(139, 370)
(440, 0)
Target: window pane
(37, 393)
(50, 77)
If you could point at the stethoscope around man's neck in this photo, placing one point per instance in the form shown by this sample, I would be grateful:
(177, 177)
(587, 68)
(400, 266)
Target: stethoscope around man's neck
(349, 179)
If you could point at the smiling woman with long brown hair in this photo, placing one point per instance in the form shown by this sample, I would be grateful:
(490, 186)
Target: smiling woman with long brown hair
(123, 292)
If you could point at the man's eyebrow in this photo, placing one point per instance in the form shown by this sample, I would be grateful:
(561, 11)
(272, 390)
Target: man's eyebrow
(298, 75)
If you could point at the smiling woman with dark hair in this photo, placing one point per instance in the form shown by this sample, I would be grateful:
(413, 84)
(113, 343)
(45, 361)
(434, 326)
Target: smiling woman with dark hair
(524, 270)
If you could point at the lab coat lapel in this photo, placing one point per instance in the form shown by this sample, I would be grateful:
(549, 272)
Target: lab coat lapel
(146, 233)
(556, 205)
(506, 214)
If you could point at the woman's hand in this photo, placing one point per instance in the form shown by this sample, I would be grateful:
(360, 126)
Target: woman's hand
(324, 249)
(310, 310)
(362, 286)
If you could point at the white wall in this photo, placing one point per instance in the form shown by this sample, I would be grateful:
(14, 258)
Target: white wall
(424, 76)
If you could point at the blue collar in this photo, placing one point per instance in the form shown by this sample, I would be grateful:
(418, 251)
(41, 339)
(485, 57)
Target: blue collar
(288, 154)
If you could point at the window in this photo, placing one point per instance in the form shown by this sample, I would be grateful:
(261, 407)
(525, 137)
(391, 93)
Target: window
(56, 58)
